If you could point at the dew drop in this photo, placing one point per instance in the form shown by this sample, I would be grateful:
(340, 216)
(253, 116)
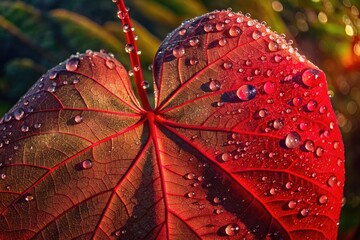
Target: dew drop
(190, 194)
(291, 204)
(277, 58)
(336, 145)
(2, 176)
(322, 109)
(248, 62)
(246, 92)
(129, 48)
(288, 185)
(292, 140)
(25, 128)
(269, 87)
(323, 199)
(125, 28)
(193, 61)
(178, 51)
(319, 151)
(273, 46)
(194, 41)
(269, 73)
(232, 229)
(208, 28)
(312, 77)
(311, 105)
(121, 14)
(72, 64)
(303, 126)
(78, 118)
(225, 156)
(222, 42)
(332, 180)
(304, 212)
(256, 34)
(37, 125)
(227, 65)
(234, 31)
(309, 145)
(86, 164)
(220, 26)
(182, 31)
(278, 124)
(296, 101)
(18, 114)
(272, 191)
(262, 113)
(29, 198)
(146, 85)
(53, 75)
(216, 200)
(214, 85)
(189, 176)
(110, 64)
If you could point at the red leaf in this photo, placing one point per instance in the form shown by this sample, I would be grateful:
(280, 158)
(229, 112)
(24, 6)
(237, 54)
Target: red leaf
(243, 143)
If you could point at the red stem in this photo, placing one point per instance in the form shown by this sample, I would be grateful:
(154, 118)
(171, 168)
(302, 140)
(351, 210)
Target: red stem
(134, 57)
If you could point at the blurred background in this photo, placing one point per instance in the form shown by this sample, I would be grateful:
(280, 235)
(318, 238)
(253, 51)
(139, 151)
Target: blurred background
(35, 35)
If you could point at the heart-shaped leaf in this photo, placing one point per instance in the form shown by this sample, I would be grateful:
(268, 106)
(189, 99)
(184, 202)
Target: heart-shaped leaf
(242, 144)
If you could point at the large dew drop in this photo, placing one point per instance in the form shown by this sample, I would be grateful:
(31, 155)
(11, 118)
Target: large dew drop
(214, 85)
(19, 114)
(86, 164)
(72, 64)
(179, 51)
(312, 77)
(246, 92)
(232, 229)
(292, 140)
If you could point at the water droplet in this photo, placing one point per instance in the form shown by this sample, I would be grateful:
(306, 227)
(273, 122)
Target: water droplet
(288, 185)
(248, 62)
(323, 199)
(312, 77)
(78, 118)
(72, 64)
(86, 164)
(125, 28)
(121, 14)
(219, 26)
(273, 46)
(332, 180)
(304, 212)
(268, 73)
(296, 101)
(246, 92)
(216, 200)
(272, 191)
(110, 64)
(262, 113)
(18, 114)
(227, 65)
(225, 156)
(336, 145)
(256, 34)
(232, 229)
(277, 58)
(25, 128)
(291, 204)
(319, 151)
(278, 124)
(190, 194)
(3, 176)
(53, 75)
(234, 31)
(146, 85)
(29, 198)
(182, 31)
(322, 109)
(214, 85)
(309, 145)
(222, 42)
(311, 105)
(303, 126)
(269, 87)
(194, 41)
(292, 140)
(189, 176)
(129, 48)
(193, 61)
(208, 28)
(37, 125)
(179, 51)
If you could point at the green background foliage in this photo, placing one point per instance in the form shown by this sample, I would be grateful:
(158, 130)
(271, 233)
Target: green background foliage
(35, 35)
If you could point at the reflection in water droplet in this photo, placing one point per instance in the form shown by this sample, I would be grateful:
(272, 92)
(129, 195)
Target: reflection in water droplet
(332, 180)
(214, 85)
(18, 114)
(234, 31)
(309, 145)
(269, 87)
(322, 199)
(29, 198)
(246, 92)
(292, 140)
(273, 46)
(304, 212)
(110, 64)
(312, 77)
(179, 51)
(86, 164)
(72, 64)
(232, 229)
